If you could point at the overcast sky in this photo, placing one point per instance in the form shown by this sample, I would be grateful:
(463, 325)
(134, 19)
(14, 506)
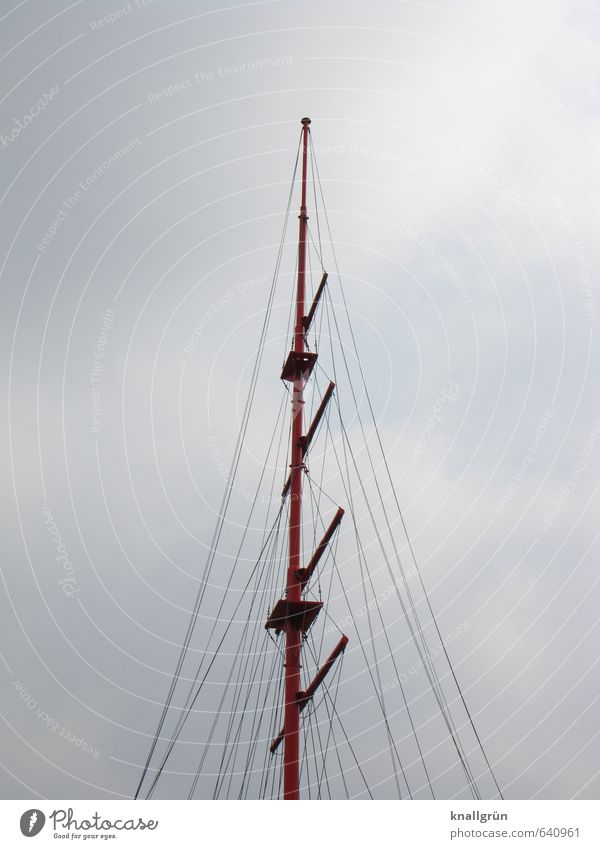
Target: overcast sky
(146, 154)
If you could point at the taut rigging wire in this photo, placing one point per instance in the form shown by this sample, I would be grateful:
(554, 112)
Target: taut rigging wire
(250, 665)
(395, 495)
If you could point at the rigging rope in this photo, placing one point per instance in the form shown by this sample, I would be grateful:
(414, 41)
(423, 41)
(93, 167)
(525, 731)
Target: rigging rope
(393, 490)
(252, 678)
(227, 494)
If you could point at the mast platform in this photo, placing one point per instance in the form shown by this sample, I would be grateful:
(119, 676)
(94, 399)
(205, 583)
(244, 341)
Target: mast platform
(300, 614)
(298, 366)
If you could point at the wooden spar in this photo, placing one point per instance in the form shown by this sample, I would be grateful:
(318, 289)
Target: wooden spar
(306, 573)
(306, 440)
(305, 696)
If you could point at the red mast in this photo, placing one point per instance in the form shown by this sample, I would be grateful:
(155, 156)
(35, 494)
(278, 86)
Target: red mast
(294, 615)
(291, 756)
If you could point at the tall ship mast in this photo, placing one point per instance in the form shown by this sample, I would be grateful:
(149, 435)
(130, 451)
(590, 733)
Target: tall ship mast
(293, 615)
(272, 725)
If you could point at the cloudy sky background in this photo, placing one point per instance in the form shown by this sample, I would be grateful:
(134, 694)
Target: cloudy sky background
(458, 144)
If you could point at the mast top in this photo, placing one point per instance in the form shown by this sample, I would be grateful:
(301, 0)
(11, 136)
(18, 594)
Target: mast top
(305, 121)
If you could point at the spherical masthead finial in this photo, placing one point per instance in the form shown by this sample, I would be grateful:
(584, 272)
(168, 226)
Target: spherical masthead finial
(305, 121)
